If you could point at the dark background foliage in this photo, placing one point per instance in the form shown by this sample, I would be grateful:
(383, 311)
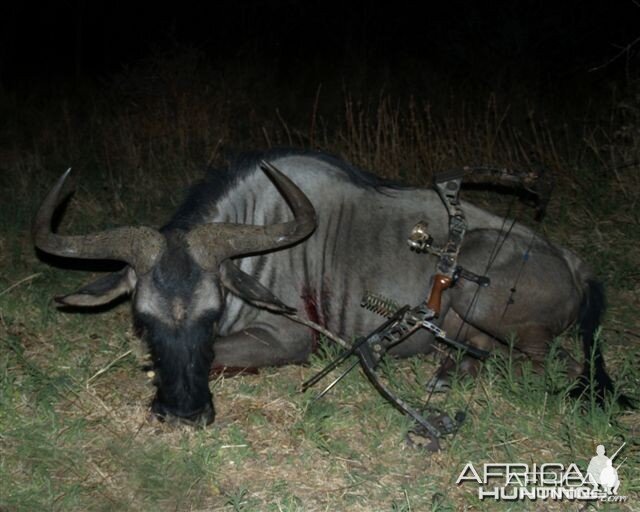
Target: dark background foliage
(485, 41)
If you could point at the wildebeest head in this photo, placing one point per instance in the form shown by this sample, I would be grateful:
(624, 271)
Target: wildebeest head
(178, 280)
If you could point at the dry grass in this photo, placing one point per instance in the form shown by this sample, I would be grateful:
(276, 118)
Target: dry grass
(74, 430)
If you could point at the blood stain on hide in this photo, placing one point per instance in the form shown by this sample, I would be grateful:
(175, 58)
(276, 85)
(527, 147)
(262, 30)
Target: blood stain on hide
(317, 311)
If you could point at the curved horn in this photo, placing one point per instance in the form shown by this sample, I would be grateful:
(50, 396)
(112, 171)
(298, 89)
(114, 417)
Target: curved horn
(137, 246)
(212, 243)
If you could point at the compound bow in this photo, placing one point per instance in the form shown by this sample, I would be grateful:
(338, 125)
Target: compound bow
(403, 321)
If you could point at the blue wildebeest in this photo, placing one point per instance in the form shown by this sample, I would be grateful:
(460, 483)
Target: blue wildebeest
(204, 286)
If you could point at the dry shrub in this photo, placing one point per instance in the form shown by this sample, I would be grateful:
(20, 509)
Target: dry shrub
(155, 126)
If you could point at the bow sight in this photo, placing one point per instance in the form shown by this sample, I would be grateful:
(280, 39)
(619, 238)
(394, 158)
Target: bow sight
(403, 321)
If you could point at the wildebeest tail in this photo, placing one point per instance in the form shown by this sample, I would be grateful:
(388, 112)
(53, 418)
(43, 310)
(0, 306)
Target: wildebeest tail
(592, 308)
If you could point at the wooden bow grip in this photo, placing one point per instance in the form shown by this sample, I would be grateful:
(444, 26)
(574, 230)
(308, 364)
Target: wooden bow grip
(440, 284)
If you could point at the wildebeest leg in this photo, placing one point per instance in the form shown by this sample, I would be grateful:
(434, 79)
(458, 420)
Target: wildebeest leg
(261, 346)
(534, 340)
(456, 328)
(574, 367)
(531, 341)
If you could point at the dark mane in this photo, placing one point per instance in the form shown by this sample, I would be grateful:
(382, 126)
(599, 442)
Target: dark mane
(218, 181)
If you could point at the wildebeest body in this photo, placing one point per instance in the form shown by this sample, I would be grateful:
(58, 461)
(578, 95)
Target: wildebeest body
(188, 295)
(360, 244)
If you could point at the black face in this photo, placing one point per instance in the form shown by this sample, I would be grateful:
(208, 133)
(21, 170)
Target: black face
(176, 309)
(182, 358)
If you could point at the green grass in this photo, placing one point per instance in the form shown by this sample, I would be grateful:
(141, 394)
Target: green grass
(73, 442)
(74, 426)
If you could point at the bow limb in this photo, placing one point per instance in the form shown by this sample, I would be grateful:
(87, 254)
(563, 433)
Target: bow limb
(368, 363)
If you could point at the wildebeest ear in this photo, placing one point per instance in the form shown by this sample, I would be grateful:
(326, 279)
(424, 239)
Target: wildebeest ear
(249, 288)
(102, 290)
